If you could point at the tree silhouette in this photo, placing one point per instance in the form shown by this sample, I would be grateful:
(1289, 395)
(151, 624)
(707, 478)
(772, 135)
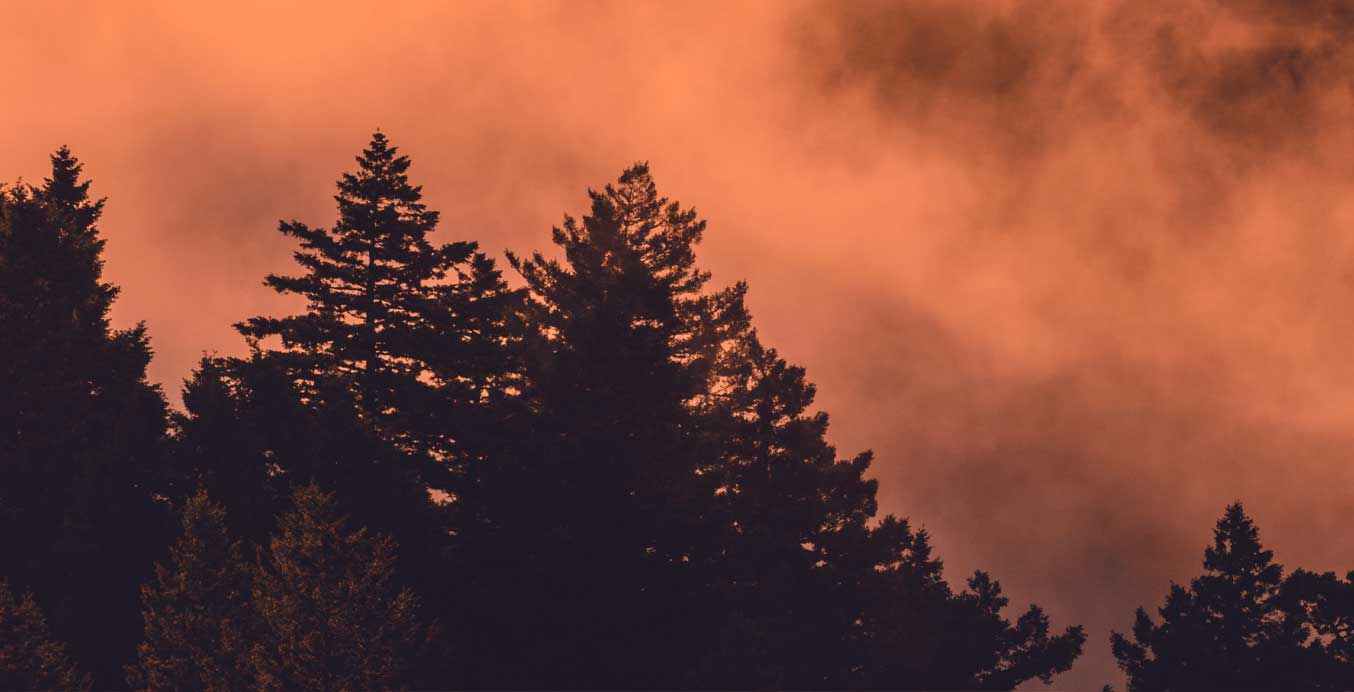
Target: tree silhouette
(413, 331)
(29, 658)
(1231, 629)
(792, 510)
(819, 595)
(671, 513)
(1326, 603)
(330, 616)
(598, 515)
(229, 442)
(196, 621)
(81, 430)
(918, 634)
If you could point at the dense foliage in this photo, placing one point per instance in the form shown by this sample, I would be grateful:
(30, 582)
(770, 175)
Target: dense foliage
(428, 478)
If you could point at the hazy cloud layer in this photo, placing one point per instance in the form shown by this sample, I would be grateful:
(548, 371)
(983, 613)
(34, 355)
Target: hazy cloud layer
(1079, 272)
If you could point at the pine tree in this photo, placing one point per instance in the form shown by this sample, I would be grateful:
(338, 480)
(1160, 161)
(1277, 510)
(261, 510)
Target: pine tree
(29, 658)
(671, 514)
(195, 612)
(1229, 630)
(599, 514)
(330, 617)
(81, 430)
(413, 331)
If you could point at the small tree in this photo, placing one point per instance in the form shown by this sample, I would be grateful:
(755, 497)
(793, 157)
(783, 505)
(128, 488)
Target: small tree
(29, 658)
(1229, 630)
(329, 615)
(194, 611)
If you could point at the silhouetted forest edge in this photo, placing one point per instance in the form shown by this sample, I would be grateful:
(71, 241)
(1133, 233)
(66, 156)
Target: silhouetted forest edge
(596, 476)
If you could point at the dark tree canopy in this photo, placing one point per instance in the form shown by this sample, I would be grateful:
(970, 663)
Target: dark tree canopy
(330, 617)
(599, 514)
(29, 658)
(672, 515)
(81, 430)
(195, 610)
(602, 480)
(1240, 625)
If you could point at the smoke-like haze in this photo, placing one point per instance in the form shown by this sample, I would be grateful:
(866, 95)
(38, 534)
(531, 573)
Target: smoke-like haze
(1079, 272)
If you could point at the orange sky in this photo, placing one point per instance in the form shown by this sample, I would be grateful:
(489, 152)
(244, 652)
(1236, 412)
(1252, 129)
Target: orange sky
(1078, 272)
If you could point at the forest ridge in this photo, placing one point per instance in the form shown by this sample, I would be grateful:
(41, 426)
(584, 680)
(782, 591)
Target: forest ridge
(429, 478)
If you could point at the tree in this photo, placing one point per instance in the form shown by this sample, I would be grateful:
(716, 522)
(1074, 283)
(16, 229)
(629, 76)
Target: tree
(329, 614)
(596, 523)
(1326, 603)
(414, 332)
(29, 658)
(1230, 630)
(81, 429)
(916, 633)
(671, 514)
(195, 612)
(236, 432)
(792, 512)
(823, 595)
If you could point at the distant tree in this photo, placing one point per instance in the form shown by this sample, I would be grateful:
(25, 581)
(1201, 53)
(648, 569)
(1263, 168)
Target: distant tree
(1232, 629)
(330, 617)
(81, 429)
(195, 611)
(29, 658)
(414, 332)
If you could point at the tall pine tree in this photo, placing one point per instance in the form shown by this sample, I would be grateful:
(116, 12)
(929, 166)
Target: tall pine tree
(414, 332)
(596, 525)
(81, 429)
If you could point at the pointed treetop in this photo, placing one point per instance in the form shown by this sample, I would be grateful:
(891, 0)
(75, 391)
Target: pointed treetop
(66, 189)
(1236, 548)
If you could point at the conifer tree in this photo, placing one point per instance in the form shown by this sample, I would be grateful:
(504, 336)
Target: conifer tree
(195, 611)
(600, 512)
(793, 510)
(29, 658)
(329, 614)
(677, 507)
(413, 331)
(1229, 630)
(829, 597)
(81, 429)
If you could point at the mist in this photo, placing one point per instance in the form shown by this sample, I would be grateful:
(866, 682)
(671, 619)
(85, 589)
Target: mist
(1078, 272)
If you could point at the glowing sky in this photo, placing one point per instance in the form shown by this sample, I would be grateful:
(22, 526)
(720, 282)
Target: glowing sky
(1080, 273)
